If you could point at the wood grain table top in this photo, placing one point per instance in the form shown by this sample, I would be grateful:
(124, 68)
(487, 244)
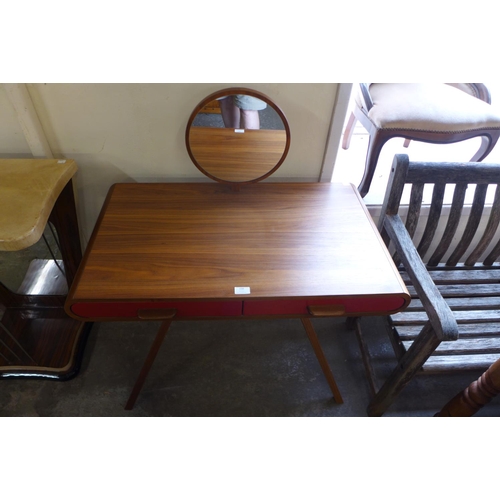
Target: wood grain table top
(28, 190)
(202, 241)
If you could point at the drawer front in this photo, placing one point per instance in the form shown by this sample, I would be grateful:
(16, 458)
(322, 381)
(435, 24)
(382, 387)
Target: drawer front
(129, 310)
(348, 306)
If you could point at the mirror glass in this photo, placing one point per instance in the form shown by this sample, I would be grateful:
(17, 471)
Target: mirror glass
(237, 136)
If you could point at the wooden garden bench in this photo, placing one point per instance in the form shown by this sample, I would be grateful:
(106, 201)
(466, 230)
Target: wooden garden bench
(453, 320)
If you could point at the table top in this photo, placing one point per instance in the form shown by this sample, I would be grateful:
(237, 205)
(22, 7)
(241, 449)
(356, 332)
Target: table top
(198, 241)
(28, 190)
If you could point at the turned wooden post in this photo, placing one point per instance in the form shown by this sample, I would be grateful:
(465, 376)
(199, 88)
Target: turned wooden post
(474, 397)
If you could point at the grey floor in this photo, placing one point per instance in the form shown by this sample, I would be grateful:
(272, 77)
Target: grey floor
(227, 368)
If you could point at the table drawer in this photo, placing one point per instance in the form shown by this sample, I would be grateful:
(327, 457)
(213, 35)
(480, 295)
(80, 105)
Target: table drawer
(338, 306)
(126, 310)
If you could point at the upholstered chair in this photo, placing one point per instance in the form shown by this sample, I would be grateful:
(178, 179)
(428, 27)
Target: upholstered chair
(437, 113)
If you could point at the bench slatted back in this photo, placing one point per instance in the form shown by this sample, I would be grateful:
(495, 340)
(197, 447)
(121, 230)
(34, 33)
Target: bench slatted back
(452, 240)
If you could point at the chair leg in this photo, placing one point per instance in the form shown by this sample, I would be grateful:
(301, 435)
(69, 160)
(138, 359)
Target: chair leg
(375, 144)
(487, 144)
(423, 346)
(478, 394)
(351, 123)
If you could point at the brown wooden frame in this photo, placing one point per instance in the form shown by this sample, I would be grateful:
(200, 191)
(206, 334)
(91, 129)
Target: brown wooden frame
(224, 93)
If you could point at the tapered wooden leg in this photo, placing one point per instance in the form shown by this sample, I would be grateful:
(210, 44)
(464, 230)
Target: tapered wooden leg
(474, 397)
(153, 351)
(313, 338)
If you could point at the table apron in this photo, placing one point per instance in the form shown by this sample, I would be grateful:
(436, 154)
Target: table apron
(324, 307)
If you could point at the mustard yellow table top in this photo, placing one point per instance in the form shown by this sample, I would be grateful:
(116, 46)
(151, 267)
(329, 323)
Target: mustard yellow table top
(28, 190)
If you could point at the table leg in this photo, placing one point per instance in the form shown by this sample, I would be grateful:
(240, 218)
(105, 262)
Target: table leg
(313, 338)
(153, 351)
(64, 218)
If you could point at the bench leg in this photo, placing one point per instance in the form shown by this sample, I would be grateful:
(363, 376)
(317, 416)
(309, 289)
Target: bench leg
(423, 346)
(365, 356)
(313, 338)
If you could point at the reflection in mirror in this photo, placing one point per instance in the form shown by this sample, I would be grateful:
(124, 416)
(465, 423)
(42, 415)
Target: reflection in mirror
(225, 113)
(237, 136)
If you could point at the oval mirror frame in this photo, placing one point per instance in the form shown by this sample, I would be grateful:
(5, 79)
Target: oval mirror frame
(224, 93)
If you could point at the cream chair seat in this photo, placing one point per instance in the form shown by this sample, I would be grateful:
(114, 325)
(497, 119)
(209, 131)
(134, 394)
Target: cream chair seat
(429, 112)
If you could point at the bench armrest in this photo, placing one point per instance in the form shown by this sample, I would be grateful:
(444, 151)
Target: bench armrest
(440, 315)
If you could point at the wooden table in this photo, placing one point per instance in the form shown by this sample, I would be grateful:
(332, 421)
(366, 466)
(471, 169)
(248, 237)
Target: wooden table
(193, 251)
(37, 338)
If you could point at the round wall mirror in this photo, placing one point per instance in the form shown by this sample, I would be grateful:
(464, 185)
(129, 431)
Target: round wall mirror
(237, 135)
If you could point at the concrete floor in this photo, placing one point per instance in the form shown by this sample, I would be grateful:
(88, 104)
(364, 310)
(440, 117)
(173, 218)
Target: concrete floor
(227, 368)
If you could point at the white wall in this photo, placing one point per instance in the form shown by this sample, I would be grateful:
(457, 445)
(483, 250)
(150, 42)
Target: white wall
(12, 141)
(135, 132)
